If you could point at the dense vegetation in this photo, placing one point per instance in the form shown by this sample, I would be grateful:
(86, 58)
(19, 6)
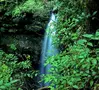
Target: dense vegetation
(13, 73)
(19, 58)
(76, 67)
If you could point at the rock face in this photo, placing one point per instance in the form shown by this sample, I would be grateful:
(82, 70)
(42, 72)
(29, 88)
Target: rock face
(25, 44)
(25, 32)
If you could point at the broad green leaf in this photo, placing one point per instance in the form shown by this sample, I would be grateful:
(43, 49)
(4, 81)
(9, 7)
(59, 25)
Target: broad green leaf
(13, 47)
(97, 33)
(1, 82)
(2, 87)
(81, 41)
(8, 84)
(91, 82)
(75, 86)
(89, 44)
(94, 61)
(88, 35)
(94, 13)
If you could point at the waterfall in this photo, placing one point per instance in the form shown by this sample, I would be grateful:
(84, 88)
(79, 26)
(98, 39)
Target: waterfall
(48, 49)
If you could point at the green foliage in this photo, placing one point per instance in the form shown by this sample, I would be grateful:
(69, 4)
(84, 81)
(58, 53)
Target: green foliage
(32, 6)
(92, 36)
(76, 66)
(12, 71)
(16, 7)
(6, 82)
(28, 6)
(5, 74)
(12, 46)
(73, 69)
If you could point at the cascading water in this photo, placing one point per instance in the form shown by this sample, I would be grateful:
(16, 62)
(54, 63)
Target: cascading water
(48, 49)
